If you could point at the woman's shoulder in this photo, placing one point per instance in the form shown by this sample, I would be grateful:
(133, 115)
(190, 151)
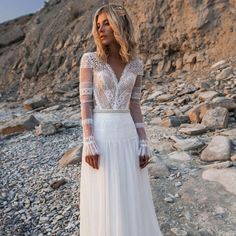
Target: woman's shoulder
(87, 59)
(137, 65)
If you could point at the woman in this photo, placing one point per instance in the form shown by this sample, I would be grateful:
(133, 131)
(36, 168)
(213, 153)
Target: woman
(115, 193)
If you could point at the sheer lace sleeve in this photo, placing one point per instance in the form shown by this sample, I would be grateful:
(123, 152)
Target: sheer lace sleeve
(86, 103)
(135, 110)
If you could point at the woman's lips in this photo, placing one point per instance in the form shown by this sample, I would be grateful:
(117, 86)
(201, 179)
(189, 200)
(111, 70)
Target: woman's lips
(103, 36)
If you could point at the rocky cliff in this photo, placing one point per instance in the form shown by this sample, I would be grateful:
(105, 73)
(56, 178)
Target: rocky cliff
(40, 53)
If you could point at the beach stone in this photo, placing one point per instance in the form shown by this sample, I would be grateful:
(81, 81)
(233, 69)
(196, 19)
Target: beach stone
(174, 121)
(71, 156)
(35, 102)
(225, 176)
(18, 125)
(217, 150)
(179, 156)
(187, 144)
(45, 128)
(193, 129)
(216, 118)
(207, 96)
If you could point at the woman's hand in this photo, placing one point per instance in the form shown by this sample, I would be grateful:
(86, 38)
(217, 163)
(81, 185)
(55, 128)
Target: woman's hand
(92, 160)
(143, 161)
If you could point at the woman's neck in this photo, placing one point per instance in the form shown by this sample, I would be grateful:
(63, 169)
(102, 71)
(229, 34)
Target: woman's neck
(114, 50)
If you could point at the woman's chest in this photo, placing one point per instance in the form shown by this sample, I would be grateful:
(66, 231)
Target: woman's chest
(105, 79)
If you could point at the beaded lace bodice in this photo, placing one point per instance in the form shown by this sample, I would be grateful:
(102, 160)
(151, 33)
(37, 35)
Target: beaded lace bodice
(101, 89)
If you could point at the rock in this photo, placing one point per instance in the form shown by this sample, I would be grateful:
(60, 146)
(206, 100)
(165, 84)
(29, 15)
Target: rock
(18, 125)
(165, 98)
(225, 164)
(227, 103)
(197, 112)
(173, 121)
(179, 232)
(72, 123)
(188, 89)
(187, 144)
(156, 121)
(13, 35)
(217, 150)
(35, 102)
(154, 95)
(226, 177)
(169, 199)
(216, 118)
(58, 183)
(207, 96)
(233, 158)
(224, 73)
(158, 169)
(72, 156)
(179, 156)
(45, 128)
(231, 133)
(53, 108)
(193, 129)
(218, 64)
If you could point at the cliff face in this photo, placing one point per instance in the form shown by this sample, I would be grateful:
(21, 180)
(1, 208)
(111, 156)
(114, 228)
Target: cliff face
(40, 53)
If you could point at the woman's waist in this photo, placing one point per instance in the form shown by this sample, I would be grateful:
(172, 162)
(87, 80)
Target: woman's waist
(113, 120)
(110, 110)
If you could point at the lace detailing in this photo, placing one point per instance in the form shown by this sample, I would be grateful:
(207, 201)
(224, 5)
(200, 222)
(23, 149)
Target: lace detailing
(86, 91)
(110, 93)
(87, 121)
(100, 90)
(90, 146)
(139, 125)
(144, 148)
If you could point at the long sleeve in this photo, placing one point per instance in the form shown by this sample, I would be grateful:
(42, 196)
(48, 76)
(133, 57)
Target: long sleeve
(136, 113)
(86, 103)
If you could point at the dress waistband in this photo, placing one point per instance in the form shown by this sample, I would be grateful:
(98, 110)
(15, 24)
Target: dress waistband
(111, 110)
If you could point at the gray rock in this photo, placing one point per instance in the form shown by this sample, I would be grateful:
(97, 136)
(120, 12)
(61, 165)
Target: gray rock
(179, 156)
(72, 156)
(217, 150)
(173, 121)
(187, 144)
(216, 118)
(45, 128)
(193, 129)
(35, 102)
(158, 169)
(226, 177)
(207, 96)
(224, 73)
(19, 125)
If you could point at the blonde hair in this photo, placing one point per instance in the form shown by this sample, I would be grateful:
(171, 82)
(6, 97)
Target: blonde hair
(122, 27)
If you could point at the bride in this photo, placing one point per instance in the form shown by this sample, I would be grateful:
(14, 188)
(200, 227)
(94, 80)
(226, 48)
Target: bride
(115, 193)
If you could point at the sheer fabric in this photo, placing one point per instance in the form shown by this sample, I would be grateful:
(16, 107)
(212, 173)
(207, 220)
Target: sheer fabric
(100, 89)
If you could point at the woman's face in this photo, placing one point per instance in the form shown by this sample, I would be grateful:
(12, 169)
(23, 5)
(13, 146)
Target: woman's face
(104, 29)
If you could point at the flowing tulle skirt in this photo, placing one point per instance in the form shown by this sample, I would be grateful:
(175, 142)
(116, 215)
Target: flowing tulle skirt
(116, 199)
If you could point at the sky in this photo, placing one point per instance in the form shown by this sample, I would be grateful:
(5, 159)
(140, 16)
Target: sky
(10, 9)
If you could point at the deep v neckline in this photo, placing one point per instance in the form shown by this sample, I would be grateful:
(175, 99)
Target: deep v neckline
(117, 81)
(114, 74)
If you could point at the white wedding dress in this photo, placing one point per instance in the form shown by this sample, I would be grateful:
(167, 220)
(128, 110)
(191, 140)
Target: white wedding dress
(116, 199)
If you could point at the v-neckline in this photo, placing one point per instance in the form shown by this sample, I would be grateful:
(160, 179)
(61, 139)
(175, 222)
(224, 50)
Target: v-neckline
(114, 74)
(112, 71)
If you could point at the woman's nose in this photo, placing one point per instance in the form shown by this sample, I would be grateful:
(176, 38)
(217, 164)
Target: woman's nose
(101, 29)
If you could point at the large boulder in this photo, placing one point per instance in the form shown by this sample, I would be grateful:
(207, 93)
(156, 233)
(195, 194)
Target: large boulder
(217, 150)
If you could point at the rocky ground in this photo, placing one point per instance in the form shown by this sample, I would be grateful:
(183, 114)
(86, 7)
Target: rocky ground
(190, 122)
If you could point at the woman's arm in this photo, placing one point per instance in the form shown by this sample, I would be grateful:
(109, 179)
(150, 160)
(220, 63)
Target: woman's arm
(135, 110)
(86, 103)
